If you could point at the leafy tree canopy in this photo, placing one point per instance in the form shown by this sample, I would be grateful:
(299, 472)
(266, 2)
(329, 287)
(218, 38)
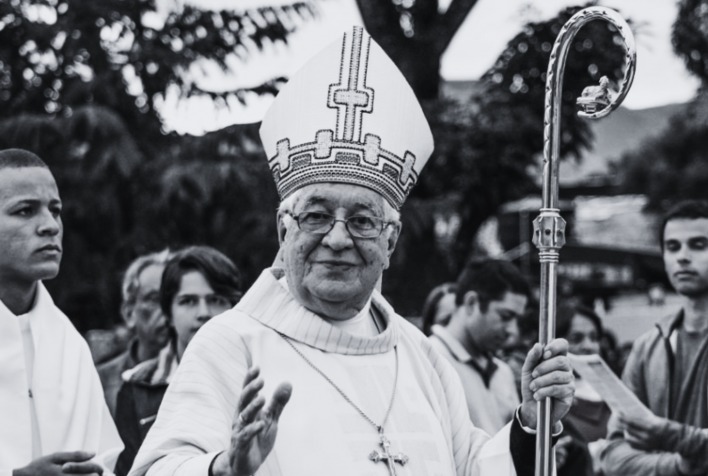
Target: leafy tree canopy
(415, 34)
(56, 55)
(487, 150)
(100, 68)
(674, 164)
(690, 36)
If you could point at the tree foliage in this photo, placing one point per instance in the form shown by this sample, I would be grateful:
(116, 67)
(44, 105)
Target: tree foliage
(214, 190)
(690, 36)
(488, 150)
(56, 55)
(415, 35)
(66, 92)
(674, 164)
(79, 85)
(488, 147)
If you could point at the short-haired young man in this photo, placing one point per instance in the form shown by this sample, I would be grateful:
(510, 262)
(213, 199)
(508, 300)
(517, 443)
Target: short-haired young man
(491, 296)
(668, 366)
(53, 418)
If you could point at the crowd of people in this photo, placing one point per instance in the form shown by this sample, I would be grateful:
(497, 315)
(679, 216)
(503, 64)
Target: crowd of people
(665, 367)
(310, 370)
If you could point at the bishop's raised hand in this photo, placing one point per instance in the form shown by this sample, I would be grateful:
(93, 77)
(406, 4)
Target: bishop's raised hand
(254, 427)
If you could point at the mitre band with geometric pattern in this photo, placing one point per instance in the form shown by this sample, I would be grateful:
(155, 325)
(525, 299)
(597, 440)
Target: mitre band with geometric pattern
(348, 116)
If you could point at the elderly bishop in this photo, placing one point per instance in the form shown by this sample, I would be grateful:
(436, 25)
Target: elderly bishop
(313, 372)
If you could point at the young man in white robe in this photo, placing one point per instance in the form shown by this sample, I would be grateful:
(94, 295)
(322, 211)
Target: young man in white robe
(356, 389)
(54, 419)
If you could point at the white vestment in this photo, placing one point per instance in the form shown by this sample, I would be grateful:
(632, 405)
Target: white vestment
(319, 432)
(68, 399)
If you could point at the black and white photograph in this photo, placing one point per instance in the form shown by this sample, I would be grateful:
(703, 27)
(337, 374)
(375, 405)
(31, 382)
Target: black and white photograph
(353, 237)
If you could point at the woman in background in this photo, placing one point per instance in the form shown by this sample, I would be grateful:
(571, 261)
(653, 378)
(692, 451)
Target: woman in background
(438, 306)
(198, 283)
(586, 422)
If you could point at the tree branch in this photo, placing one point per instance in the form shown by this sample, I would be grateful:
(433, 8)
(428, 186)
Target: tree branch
(377, 16)
(451, 21)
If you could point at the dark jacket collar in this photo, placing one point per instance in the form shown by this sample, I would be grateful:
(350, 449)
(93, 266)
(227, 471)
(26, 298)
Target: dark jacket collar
(670, 323)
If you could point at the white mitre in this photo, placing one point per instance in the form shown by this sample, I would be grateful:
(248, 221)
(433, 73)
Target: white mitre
(348, 116)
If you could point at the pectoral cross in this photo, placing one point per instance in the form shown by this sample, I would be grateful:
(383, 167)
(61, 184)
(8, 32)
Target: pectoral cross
(386, 456)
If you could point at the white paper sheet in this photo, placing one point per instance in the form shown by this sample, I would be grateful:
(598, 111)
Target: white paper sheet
(603, 380)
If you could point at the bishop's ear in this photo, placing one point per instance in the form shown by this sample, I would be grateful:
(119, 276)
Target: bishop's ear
(282, 226)
(393, 237)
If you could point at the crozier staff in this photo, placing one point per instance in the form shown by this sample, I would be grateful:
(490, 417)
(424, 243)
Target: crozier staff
(352, 387)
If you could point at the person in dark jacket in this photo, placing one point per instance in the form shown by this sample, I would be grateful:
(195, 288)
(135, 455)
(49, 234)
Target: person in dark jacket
(140, 309)
(198, 283)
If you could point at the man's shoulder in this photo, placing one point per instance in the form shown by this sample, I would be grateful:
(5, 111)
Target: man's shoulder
(115, 365)
(502, 366)
(415, 336)
(228, 327)
(141, 373)
(439, 353)
(439, 345)
(408, 327)
(234, 319)
(449, 345)
(661, 329)
(651, 344)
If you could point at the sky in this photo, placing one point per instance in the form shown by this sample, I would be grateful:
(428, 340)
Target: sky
(661, 77)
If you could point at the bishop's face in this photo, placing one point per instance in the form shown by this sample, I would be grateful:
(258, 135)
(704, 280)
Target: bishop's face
(334, 274)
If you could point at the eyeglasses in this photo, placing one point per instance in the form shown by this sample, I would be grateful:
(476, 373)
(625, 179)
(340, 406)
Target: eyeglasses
(358, 226)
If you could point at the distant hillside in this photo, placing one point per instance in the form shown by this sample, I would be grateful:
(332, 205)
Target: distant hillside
(620, 132)
(460, 90)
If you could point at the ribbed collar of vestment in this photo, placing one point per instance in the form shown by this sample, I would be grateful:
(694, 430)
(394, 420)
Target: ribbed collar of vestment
(271, 304)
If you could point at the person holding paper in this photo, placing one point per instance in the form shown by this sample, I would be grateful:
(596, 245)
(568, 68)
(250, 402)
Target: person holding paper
(668, 366)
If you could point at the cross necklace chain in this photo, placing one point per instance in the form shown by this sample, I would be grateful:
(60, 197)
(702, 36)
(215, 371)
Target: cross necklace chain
(383, 455)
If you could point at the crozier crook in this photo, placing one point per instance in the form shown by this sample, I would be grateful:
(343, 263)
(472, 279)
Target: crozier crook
(549, 227)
